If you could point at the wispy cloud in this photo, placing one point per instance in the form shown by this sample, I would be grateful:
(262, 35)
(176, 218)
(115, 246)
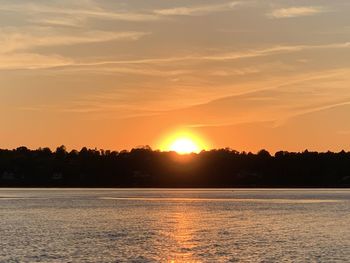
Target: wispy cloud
(214, 57)
(22, 43)
(32, 61)
(13, 39)
(126, 70)
(196, 10)
(276, 103)
(296, 12)
(222, 56)
(83, 12)
(18, 45)
(59, 21)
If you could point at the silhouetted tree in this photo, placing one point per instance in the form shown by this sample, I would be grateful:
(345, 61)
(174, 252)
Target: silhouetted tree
(143, 167)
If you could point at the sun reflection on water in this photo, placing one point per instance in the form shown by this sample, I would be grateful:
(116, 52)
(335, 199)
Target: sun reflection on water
(183, 235)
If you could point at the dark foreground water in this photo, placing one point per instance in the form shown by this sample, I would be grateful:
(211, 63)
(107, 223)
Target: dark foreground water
(114, 225)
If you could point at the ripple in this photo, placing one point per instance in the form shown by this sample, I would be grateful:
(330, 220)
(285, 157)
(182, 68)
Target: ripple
(175, 199)
(175, 226)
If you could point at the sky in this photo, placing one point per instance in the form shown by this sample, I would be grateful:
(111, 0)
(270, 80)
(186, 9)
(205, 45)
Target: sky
(248, 75)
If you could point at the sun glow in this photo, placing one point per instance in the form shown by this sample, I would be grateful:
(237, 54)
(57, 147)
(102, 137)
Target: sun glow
(183, 143)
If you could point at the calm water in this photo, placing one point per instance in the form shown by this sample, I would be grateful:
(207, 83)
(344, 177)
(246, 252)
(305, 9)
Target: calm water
(75, 225)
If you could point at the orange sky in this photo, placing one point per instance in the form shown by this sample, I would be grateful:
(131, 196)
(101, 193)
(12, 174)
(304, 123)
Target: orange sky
(118, 74)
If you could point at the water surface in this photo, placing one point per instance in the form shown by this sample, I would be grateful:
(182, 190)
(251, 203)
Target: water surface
(168, 225)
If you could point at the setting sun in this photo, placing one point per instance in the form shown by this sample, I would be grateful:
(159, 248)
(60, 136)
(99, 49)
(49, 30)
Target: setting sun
(183, 143)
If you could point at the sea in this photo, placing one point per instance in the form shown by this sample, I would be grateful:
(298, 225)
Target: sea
(174, 225)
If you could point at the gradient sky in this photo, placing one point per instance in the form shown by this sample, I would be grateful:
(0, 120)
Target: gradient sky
(118, 74)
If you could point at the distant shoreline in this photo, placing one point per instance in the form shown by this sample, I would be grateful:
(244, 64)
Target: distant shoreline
(145, 168)
(178, 188)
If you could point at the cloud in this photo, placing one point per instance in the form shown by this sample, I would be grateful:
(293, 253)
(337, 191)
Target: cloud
(31, 61)
(295, 12)
(275, 103)
(128, 70)
(60, 21)
(82, 11)
(17, 45)
(196, 10)
(13, 39)
(197, 58)
(221, 56)
(235, 72)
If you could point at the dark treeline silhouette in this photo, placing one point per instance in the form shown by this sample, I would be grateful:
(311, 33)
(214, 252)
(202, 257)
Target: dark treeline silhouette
(143, 167)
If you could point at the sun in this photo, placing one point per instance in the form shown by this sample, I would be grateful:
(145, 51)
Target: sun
(184, 145)
(183, 142)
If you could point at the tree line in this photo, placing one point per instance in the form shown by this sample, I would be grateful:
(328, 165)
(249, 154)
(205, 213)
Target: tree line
(143, 167)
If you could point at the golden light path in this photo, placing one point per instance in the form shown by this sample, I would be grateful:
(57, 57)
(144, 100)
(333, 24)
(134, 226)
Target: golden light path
(183, 142)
